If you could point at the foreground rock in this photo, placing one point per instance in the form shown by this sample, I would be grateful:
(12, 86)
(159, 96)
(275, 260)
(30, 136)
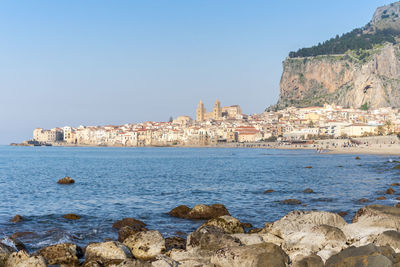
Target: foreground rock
(66, 180)
(210, 238)
(389, 238)
(266, 254)
(175, 242)
(146, 245)
(5, 252)
(106, 252)
(227, 224)
(312, 260)
(60, 254)
(22, 259)
(369, 255)
(378, 216)
(200, 212)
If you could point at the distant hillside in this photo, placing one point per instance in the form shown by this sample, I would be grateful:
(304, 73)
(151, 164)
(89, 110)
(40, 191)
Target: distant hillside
(359, 68)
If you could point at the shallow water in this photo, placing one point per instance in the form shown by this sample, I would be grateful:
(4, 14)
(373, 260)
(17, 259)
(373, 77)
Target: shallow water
(146, 183)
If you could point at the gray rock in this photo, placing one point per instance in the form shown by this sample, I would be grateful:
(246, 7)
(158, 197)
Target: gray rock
(312, 260)
(210, 238)
(378, 216)
(226, 223)
(390, 238)
(266, 254)
(369, 255)
(146, 245)
(106, 252)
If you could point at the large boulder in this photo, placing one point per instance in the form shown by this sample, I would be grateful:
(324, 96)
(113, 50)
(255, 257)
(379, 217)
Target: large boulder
(146, 245)
(312, 260)
(266, 254)
(106, 252)
(127, 263)
(5, 252)
(60, 254)
(164, 261)
(389, 238)
(210, 238)
(23, 259)
(191, 258)
(200, 212)
(323, 240)
(369, 255)
(226, 223)
(300, 221)
(175, 242)
(378, 216)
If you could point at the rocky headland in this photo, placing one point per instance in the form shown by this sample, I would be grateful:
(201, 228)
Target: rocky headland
(300, 238)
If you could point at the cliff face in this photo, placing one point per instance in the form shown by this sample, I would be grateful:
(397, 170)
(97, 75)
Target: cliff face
(353, 79)
(344, 80)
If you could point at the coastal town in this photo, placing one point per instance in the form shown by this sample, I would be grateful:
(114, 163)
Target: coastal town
(228, 125)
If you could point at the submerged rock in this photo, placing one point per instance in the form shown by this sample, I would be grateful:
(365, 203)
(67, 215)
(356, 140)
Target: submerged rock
(146, 245)
(381, 198)
(200, 212)
(71, 216)
(227, 224)
(390, 191)
(395, 184)
(363, 200)
(66, 180)
(269, 191)
(291, 202)
(16, 218)
(308, 191)
(60, 254)
(260, 255)
(22, 259)
(369, 255)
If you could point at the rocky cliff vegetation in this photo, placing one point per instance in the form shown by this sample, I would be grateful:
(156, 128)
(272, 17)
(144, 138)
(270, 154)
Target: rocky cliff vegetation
(359, 68)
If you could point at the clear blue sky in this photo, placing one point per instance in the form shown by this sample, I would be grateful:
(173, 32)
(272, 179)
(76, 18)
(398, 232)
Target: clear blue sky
(114, 62)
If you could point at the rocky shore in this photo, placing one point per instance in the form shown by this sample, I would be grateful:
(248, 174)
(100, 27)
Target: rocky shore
(299, 239)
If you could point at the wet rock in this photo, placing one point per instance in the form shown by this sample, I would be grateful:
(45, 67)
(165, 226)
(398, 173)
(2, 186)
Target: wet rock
(369, 255)
(378, 216)
(291, 202)
(397, 167)
(397, 198)
(363, 200)
(5, 252)
(17, 218)
(260, 255)
(358, 158)
(246, 225)
(255, 230)
(200, 212)
(146, 245)
(66, 180)
(397, 205)
(390, 191)
(308, 191)
(227, 224)
(205, 212)
(136, 225)
(395, 184)
(300, 221)
(22, 259)
(175, 242)
(389, 238)
(60, 254)
(269, 191)
(381, 198)
(342, 213)
(308, 167)
(18, 244)
(180, 211)
(71, 216)
(210, 238)
(22, 234)
(125, 232)
(107, 251)
(312, 260)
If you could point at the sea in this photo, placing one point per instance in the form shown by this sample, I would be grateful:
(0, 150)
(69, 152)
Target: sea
(146, 183)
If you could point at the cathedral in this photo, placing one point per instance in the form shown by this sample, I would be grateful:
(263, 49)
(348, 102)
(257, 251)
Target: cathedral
(217, 113)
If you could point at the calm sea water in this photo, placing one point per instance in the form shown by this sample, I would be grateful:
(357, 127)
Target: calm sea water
(146, 183)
